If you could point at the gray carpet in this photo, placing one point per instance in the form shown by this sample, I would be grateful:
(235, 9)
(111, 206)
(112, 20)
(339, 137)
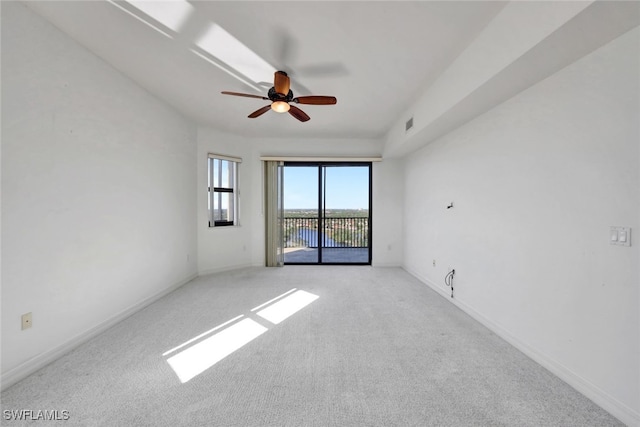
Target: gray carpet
(376, 348)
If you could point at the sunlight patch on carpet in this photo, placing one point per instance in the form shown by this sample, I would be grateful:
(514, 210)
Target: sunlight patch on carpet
(274, 299)
(204, 353)
(284, 308)
(204, 334)
(200, 357)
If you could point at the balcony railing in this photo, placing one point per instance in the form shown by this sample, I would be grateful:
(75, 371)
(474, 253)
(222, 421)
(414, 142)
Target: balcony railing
(338, 232)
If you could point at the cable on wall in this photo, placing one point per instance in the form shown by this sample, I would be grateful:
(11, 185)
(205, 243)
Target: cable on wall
(448, 280)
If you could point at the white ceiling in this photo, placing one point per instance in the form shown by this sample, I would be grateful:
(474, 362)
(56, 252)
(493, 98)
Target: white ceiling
(375, 57)
(442, 62)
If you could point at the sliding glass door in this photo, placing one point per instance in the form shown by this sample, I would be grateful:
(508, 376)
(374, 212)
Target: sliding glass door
(301, 214)
(327, 213)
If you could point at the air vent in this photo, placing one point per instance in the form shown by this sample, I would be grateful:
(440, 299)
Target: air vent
(409, 124)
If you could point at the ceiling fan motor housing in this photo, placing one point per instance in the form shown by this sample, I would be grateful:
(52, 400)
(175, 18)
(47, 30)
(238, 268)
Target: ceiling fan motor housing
(275, 96)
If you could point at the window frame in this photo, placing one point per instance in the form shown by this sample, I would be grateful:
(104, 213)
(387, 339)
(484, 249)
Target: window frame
(218, 191)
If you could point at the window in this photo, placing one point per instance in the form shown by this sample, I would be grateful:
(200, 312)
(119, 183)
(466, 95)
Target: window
(223, 190)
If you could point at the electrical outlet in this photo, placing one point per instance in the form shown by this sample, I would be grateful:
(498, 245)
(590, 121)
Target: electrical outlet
(27, 321)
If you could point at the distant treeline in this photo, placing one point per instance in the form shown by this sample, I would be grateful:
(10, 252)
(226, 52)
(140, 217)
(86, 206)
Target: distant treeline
(329, 213)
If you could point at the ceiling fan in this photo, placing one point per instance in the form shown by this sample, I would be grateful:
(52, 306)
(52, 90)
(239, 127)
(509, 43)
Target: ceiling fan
(280, 96)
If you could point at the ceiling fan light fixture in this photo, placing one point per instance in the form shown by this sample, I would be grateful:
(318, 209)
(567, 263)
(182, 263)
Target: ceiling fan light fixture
(280, 106)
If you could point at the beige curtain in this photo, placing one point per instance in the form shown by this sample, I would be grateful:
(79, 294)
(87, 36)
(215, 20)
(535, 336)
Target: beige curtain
(274, 213)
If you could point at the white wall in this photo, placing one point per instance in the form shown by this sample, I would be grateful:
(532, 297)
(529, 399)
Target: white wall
(387, 212)
(98, 193)
(232, 247)
(536, 182)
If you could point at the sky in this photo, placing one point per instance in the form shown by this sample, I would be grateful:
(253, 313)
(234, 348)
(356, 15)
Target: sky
(347, 187)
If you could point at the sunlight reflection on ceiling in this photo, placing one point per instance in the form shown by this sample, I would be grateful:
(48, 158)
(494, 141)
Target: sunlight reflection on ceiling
(146, 21)
(216, 45)
(170, 13)
(228, 49)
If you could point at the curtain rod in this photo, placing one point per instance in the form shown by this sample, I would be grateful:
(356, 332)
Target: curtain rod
(319, 159)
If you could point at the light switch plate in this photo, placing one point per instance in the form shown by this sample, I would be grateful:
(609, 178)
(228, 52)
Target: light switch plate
(620, 236)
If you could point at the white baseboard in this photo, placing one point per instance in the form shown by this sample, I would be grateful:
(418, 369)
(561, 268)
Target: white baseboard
(386, 264)
(27, 368)
(226, 268)
(603, 399)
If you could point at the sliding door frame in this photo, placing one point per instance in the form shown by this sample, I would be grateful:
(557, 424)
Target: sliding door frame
(321, 165)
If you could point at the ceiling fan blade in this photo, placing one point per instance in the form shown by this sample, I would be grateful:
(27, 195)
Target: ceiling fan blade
(281, 83)
(315, 100)
(244, 94)
(259, 112)
(298, 113)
